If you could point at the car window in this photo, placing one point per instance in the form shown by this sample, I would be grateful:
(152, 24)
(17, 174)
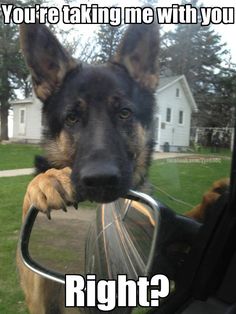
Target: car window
(194, 142)
(179, 179)
(191, 182)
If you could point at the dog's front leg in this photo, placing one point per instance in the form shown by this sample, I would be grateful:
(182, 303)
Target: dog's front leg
(50, 190)
(42, 296)
(47, 191)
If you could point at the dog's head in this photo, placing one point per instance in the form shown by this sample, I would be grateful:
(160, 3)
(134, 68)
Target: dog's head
(98, 118)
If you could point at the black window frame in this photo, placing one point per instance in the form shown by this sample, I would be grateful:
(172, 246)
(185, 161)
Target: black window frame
(181, 117)
(168, 115)
(177, 93)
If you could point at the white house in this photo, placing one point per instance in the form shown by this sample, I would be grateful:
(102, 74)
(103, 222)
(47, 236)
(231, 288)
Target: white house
(172, 119)
(173, 116)
(27, 120)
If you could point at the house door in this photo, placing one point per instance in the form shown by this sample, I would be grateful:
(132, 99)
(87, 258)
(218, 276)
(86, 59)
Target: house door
(22, 121)
(157, 132)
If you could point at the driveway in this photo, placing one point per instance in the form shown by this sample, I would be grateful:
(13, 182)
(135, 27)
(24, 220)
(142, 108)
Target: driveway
(158, 155)
(16, 172)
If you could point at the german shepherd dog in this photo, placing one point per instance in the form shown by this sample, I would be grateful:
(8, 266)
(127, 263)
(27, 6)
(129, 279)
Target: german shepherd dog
(98, 135)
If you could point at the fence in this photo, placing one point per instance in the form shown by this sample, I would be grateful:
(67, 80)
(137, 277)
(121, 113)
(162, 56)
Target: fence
(212, 137)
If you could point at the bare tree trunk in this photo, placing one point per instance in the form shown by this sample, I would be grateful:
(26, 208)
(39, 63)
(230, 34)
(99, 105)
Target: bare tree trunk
(4, 121)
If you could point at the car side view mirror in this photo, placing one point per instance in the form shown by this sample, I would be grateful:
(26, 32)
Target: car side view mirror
(125, 230)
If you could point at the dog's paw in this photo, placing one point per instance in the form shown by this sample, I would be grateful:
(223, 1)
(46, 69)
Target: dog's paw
(50, 190)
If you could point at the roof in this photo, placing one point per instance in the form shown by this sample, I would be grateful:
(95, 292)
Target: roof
(166, 82)
(22, 101)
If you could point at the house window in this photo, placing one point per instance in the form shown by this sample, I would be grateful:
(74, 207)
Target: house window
(22, 121)
(168, 114)
(22, 116)
(181, 117)
(43, 120)
(177, 93)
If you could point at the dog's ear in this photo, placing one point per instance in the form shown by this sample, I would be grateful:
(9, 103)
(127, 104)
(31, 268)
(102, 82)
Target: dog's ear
(138, 53)
(47, 60)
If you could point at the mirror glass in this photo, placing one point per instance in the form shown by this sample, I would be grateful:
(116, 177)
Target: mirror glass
(89, 240)
(58, 244)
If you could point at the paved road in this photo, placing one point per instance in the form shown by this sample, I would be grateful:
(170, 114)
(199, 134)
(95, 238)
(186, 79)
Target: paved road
(16, 172)
(169, 155)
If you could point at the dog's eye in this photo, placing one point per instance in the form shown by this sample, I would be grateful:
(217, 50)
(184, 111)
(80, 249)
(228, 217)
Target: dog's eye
(71, 119)
(125, 113)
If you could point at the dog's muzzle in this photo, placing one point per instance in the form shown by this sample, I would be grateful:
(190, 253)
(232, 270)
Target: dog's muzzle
(100, 182)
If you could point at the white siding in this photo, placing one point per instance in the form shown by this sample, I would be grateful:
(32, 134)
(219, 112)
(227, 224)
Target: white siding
(33, 122)
(174, 133)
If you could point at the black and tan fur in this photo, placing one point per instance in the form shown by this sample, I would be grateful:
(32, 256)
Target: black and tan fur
(98, 135)
(209, 198)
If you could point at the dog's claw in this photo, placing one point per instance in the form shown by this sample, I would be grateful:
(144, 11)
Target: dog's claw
(64, 209)
(75, 205)
(48, 213)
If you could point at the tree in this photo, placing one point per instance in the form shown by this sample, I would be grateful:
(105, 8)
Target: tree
(223, 99)
(198, 53)
(13, 72)
(9, 56)
(108, 39)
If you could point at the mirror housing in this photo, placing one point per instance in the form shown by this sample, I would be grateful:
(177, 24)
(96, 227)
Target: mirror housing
(135, 219)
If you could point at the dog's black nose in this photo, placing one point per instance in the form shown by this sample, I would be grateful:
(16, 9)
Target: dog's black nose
(100, 175)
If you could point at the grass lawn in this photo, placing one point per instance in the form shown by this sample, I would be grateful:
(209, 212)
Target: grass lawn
(16, 156)
(211, 151)
(186, 181)
(11, 195)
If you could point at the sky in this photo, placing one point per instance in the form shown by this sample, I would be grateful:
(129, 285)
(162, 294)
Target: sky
(227, 31)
